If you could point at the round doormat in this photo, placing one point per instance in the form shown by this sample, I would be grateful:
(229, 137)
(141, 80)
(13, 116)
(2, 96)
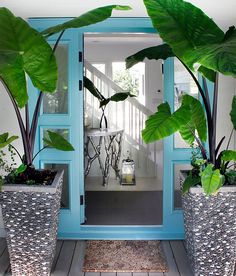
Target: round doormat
(124, 256)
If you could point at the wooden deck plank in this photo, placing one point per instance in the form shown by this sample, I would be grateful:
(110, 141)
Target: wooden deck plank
(65, 258)
(155, 273)
(78, 259)
(4, 262)
(92, 274)
(140, 274)
(173, 270)
(123, 274)
(108, 274)
(57, 253)
(181, 258)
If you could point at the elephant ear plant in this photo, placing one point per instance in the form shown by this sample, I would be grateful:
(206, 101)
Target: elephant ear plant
(25, 53)
(117, 97)
(196, 40)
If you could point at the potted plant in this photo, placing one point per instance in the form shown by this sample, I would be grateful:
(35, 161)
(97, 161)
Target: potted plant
(30, 198)
(209, 190)
(117, 97)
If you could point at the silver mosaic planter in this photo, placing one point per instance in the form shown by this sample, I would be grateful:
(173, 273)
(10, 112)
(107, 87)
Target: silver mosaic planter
(210, 231)
(30, 215)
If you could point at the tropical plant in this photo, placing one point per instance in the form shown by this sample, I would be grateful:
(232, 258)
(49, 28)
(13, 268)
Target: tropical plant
(117, 97)
(26, 52)
(196, 40)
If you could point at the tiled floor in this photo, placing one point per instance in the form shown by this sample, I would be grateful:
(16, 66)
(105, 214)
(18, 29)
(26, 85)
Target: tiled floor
(69, 260)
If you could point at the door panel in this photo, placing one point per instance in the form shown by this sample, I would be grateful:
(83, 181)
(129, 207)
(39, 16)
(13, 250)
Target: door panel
(62, 112)
(176, 156)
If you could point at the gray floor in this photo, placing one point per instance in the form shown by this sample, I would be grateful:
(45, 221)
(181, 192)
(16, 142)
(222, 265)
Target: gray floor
(69, 260)
(125, 208)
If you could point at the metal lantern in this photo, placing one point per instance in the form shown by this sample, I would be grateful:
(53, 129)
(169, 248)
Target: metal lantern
(127, 172)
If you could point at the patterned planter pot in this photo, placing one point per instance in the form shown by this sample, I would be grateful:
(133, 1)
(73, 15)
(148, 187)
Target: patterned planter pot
(210, 231)
(30, 215)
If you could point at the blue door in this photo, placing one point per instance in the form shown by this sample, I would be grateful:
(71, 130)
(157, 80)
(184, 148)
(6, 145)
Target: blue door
(63, 112)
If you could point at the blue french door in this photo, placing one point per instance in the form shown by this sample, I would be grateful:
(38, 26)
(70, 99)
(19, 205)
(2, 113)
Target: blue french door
(62, 112)
(177, 154)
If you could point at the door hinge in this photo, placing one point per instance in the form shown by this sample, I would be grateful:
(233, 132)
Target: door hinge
(81, 200)
(80, 85)
(80, 56)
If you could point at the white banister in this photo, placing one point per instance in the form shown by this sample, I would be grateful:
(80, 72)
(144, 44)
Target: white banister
(129, 115)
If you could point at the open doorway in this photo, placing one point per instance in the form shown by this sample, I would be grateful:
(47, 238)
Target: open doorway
(107, 200)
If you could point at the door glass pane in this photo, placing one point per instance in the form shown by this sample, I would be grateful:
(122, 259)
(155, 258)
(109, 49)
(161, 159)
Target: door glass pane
(177, 188)
(183, 84)
(65, 187)
(64, 132)
(57, 103)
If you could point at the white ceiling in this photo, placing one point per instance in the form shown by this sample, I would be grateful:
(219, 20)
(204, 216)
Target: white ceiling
(122, 39)
(222, 11)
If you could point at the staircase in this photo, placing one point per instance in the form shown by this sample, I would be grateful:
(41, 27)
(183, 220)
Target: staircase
(129, 115)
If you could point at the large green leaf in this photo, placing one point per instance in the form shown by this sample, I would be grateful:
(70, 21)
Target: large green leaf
(182, 25)
(157, 52)
(233, 112)
(190, 181)
(5, 140)
(91, 17)
(163, 123)
(197, 121)
(56, 141)
(117, 97)
(211, 180)
(88, 84)
(220, 56)
(207, 73)
(228, 155)
(24, 51)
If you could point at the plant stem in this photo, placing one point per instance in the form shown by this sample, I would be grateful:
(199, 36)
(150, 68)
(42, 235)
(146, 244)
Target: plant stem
(203, 151)
(230, 137)
(39, 152)
(204, 98)
(34, 123)
(214, 117)
(219, 145)
(25, 140)
(17, 153)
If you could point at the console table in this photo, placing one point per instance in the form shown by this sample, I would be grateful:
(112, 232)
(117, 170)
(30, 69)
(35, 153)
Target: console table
(110, 140)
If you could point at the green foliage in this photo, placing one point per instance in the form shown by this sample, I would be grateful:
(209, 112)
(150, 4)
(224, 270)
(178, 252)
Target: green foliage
(7, 164)
(5, 140)
(88, 84)
(57, 141)
(231, 177)
(207, 73)
(194, 37)
(233, 112)
(24, 51)
(91, 17)
(20, 169)
(157, 52)
(197, 120)
(211, 179)
(190, 181)
(163, 123)
(182, 25)
(228, 155)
